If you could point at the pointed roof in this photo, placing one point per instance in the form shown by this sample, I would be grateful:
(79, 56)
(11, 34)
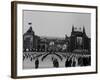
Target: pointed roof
(83, 29)
(29, 32)
(72, 28)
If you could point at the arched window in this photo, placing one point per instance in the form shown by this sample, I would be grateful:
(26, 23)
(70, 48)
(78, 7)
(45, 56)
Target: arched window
(79, 42)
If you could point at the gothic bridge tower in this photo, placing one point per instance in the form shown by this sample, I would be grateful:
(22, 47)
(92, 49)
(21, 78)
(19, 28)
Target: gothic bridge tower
(79, 39)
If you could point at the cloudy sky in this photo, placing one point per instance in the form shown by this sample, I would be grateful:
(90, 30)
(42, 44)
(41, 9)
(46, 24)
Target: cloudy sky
(55, 24)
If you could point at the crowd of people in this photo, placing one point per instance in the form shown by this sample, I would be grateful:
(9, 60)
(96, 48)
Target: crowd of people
(70, 60)
(75, 60)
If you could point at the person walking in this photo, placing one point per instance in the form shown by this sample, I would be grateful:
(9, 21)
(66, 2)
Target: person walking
(56, 63)
(66, 63)
(36, 63)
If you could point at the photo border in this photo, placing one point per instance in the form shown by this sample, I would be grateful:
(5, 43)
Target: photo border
(14, 37)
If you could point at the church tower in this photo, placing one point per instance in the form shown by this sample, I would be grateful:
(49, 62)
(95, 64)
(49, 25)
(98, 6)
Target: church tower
(79, 40)
(30, 30)
(28, 39)
(84, 31)
(72, 30)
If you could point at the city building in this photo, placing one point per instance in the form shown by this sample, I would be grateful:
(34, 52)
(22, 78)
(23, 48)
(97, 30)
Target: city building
(77, 42)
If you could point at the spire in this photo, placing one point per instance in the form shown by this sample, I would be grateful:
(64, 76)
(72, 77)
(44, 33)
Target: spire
(83, 29)
(72, 28)
(30, 30)
(66, 37)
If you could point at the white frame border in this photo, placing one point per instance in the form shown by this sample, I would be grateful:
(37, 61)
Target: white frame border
(21, 72)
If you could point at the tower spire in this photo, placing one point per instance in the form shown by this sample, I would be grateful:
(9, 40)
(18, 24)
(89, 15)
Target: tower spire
(30, 30)
(84, 30)
(72, 28)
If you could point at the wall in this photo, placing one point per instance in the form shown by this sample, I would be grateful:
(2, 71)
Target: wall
(5, 41)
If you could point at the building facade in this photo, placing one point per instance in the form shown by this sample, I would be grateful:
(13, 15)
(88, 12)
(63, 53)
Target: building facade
(78, 41)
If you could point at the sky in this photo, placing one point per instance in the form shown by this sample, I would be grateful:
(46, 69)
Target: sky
(56, 24)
